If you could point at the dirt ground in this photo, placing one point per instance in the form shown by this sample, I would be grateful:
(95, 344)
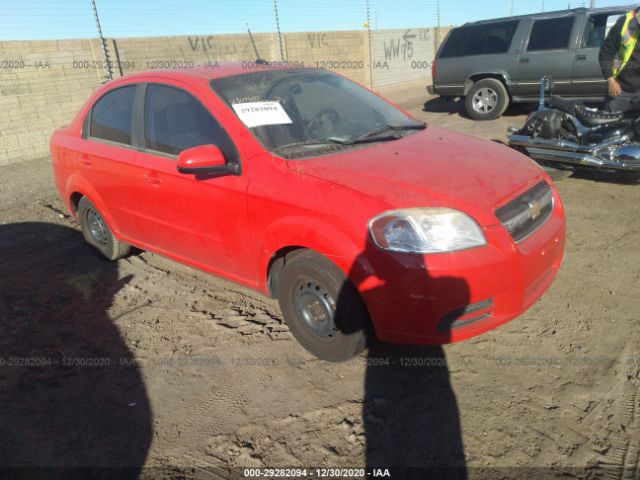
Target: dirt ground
(148, 364)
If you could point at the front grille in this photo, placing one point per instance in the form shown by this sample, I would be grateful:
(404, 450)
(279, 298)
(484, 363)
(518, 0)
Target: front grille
(525, 214)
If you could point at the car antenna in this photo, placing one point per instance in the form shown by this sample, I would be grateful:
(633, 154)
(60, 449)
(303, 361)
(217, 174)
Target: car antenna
(259, 61)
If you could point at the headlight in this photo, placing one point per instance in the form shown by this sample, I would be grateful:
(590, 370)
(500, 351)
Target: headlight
(425, 230)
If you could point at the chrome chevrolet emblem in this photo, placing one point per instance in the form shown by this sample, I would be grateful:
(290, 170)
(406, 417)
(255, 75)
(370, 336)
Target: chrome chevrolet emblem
(535, 209)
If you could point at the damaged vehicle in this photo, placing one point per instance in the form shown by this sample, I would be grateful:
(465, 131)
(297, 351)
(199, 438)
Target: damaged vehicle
(361, 220)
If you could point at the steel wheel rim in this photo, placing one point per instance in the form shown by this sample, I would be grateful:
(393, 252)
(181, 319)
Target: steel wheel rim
(97, 227)
(316, 308)
(485, 100)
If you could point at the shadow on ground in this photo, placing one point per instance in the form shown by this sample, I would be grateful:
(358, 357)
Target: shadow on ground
(410, 414)
(73, 400)
(456, 107)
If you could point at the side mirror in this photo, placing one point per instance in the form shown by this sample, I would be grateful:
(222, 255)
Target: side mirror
(205, 159)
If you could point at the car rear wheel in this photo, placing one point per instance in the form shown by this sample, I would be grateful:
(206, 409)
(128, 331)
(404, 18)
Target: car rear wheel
(322, 307)
(96, 232)
(487, 99)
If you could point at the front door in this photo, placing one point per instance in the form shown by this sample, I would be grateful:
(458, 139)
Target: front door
(200, 219)
(587, 76)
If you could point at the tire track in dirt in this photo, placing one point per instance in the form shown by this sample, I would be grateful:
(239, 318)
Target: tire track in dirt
(620, 460)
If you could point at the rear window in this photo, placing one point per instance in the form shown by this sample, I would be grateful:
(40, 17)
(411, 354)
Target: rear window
(111, 115)
(480, 39)
(550, 34)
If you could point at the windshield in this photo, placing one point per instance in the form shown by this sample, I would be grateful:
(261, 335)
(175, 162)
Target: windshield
(297, 113)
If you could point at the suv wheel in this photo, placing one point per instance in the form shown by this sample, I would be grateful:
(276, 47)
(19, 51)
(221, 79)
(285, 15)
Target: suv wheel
(487, 99)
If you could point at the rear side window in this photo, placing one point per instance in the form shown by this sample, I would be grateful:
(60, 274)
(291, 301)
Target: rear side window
(175, 121)
(550, 34)
(111, 115)
(479, 39)
(597, 28)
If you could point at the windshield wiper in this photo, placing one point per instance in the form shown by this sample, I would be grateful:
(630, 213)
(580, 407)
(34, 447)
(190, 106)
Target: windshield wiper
(378, 135)
(394, 128)
(310, 143)
(369, 137)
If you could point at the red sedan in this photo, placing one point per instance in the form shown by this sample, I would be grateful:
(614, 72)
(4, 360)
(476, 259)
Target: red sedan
(361, 220)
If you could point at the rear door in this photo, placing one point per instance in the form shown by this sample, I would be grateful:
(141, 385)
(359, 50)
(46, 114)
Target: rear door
(549, 50)
(106, 157)
(587, 77)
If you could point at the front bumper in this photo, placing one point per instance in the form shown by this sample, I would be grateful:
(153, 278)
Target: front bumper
(443, 298)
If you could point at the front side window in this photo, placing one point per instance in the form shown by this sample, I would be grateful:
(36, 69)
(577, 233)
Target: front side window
(597, 28)
(111, 116)
(175, 121)
(480, 39)
(550, 34)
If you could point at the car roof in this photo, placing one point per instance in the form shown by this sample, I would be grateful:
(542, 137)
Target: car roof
(215, 70)
(556, 13)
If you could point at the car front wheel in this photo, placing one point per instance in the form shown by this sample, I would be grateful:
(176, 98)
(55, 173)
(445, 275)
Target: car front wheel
(322, 307)
(97, 233)
(487, 99)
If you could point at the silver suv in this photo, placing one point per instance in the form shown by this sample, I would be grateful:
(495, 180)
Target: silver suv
(495, 62)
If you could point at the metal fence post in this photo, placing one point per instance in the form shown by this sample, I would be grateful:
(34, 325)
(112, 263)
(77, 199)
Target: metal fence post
(275, 11)
(436, 37)
(368, 23)
(103, 42)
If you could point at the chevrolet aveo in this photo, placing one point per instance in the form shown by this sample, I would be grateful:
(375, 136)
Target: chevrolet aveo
(361, 220)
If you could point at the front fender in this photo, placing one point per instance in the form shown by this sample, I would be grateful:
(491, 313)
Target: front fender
(320, 236)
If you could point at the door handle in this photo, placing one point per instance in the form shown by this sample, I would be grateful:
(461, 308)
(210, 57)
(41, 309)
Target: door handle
(85, 160)
(524, 60)
(153, 179)
(581, 57)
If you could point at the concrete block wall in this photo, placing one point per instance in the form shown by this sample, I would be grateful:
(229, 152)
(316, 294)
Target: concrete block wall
(401, 58)
(345, 52)
(42, 86)
(44, 83)
(138, 54)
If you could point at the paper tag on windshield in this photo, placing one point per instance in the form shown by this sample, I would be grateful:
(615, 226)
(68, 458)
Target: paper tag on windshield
(256, 114)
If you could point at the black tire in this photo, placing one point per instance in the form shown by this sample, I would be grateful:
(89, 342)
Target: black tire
(96, 232)
(309, 287)
(487, 99)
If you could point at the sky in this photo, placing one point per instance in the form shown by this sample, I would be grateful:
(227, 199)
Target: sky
(59, 19)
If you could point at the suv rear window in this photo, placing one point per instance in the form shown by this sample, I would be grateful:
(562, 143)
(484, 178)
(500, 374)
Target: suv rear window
(550, 34)
(479, 39)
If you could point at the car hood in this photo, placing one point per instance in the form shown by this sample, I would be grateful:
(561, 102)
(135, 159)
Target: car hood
(433, 167)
